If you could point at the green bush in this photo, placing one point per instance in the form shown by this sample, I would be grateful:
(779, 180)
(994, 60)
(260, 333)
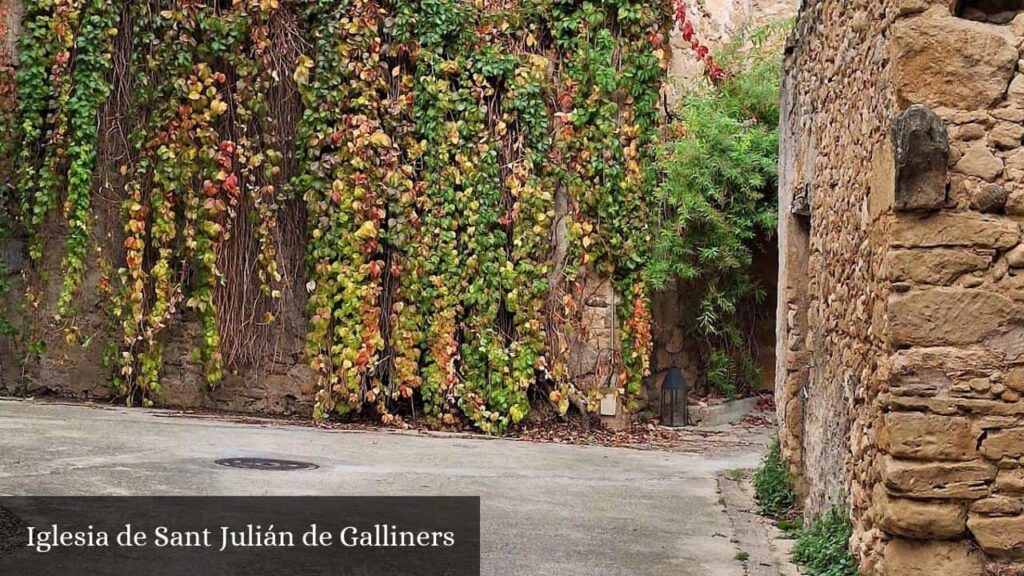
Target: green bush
(718, 197)
(773, 485)
(823, 548)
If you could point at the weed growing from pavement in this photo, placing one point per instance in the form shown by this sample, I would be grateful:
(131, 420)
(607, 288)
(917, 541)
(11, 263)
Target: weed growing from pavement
(823, 548)
(791, 527)
(773, 484)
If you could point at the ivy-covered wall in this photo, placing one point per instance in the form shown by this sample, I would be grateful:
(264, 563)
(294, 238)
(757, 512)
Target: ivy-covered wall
(386, 207)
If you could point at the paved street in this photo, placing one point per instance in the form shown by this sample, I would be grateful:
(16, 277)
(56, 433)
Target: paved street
(547, 509)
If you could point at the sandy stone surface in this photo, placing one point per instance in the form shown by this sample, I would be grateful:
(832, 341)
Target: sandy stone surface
(901, 325)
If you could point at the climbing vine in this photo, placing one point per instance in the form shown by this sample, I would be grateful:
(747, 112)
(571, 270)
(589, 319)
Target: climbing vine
(347, 156)
(94, 45)
(436, 142)
(607, 121)
(187, 188)
(712, 70)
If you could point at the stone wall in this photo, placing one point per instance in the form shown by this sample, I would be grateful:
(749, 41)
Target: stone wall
(277, 380)
(901, 310)
(831, 324)
(70, 357)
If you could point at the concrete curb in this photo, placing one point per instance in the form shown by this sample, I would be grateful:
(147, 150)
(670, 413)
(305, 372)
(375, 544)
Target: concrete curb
(720, 414)
(767, 552)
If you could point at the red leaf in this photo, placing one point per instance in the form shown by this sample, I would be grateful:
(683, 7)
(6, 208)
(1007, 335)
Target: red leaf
(231, 185)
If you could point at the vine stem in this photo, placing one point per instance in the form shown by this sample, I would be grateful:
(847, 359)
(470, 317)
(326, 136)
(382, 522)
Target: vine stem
(712, 70)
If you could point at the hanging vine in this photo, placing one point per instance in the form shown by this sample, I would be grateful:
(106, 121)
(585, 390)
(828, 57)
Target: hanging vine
(435, 138)
(94, 46)
(347, 157)
(36, 55)
(406, 245)
(46, 91)
(528, 217)
(613, 60)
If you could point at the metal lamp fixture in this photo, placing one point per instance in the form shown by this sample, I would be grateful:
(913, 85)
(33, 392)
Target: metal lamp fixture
(672, 388)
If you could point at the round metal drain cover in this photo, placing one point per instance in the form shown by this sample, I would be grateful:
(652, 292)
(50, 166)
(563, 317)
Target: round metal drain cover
(266, 464)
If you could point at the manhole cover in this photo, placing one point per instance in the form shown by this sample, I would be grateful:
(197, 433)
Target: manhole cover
(266, 464)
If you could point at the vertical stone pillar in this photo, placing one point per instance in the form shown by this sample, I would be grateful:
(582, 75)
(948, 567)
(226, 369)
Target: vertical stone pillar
(10, 24)
(948, 501)
(796, 161)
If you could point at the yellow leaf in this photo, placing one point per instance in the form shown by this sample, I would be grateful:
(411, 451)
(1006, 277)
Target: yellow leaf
(367, 230)
(218, 107)
(380, 139)
(302, 68)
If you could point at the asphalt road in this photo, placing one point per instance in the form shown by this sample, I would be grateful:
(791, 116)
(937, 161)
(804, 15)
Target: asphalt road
(546, 509)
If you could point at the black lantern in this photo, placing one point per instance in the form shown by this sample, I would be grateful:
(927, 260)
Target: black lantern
(672, 388)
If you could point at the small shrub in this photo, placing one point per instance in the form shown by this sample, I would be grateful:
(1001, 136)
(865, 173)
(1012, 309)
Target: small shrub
(742, 556)
(773, 485)
(719, 173)
(823, 548)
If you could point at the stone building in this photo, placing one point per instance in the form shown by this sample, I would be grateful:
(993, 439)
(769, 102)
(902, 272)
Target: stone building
(900, 324)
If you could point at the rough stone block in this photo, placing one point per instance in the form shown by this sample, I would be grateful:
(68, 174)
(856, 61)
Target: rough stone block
(955, 229)
(968, 132)
(955, 406)
(882, 181)
(1015, 379)
(1000, 444)
(961, 481)
(939, 266)
(1006, 135)
(948, 316)
(722, 414)
(942, 366)
(1015, 93)
(918, 518)
(13, 254)
(1015, 257)
(990, 198)
(999, 536)
(908, 7)
(1010, 481)
(997, 506)
(929, 437)
(979, 161)
(932, 558)
(1015, 203)
(922, 155)
(950, 62)
(1010, 341)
